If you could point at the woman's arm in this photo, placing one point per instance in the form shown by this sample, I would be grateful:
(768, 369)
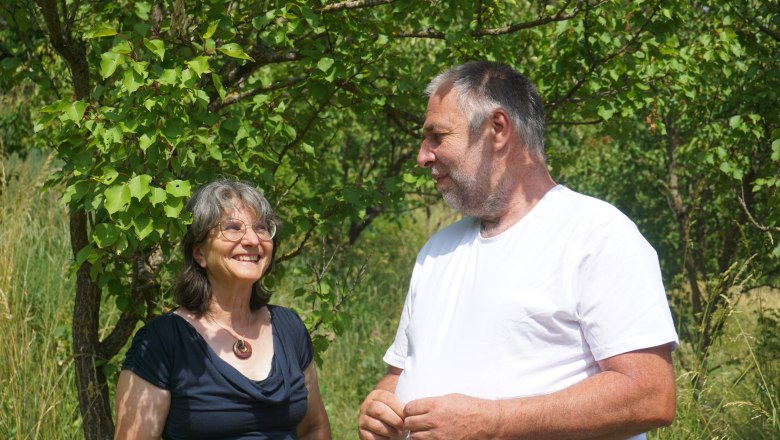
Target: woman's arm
(315, 424)
(141, 408)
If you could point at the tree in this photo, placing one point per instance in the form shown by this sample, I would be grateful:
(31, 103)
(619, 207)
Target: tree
(696, 153)
(317, 102)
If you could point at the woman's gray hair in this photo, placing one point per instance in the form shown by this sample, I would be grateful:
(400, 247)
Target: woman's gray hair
(208, 205)
(483, 86)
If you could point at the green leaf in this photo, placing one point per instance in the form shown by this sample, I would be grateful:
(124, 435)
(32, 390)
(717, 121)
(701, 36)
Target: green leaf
(212, 28)
(178, 188)
(117, 197)
(325, 64)
(173, 129)
(75, 111)
(158, 196)
(105, 235)
(145, 141)
(199, 65)
(235, 51)
(143, 225)
(139, 186)
(410, 178)
(100, 30)
(173, 207)
(109, 175)
(168, 77)
(776, 150)
(606, 113)
(157, 47)
(83, 255)
(734, 121)
(218, 85)
(123, 48)
(108, 63)
(132, 81)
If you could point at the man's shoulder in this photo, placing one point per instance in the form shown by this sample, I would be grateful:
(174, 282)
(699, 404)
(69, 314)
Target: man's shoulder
(453, 234)
(574, 205)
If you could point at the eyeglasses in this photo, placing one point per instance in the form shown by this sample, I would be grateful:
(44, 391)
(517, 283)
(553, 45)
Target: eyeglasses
(233, 229)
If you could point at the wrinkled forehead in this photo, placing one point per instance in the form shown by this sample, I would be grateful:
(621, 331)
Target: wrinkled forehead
(237, 209)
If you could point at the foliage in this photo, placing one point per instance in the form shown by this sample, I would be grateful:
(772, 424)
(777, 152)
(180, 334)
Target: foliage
(695, 155)
(672, 110)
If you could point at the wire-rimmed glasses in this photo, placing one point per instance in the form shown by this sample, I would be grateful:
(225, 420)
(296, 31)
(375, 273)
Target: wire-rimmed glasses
(233, 229)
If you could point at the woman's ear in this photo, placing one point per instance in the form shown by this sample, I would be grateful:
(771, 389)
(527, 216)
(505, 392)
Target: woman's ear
(197, 255)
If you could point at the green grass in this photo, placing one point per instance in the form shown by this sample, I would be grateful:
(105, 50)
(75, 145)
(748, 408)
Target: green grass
(738, 399)
(36, 371)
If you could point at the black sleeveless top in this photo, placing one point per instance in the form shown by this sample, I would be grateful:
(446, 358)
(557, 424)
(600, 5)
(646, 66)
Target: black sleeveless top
(209, 398)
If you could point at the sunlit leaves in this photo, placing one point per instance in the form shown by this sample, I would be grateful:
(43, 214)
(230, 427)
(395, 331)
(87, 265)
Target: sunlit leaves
(117, 198)
(100, 30)
(157, 47)
(235, 51)
(199, 65)
(108, 63)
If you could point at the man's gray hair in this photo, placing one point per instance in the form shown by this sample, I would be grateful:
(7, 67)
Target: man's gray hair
(483, 86)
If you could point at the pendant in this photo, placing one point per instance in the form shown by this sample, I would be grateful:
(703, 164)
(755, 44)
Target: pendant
(242, 349)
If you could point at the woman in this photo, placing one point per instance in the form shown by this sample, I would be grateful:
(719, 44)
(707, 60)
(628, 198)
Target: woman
(225, 363)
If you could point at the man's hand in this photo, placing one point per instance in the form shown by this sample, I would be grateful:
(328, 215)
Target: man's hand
(452, 417)
(381, 416)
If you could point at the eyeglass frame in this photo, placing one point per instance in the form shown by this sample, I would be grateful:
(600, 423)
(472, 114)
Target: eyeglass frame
(269, 227)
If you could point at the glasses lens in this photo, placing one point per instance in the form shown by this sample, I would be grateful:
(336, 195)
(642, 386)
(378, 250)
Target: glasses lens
(232, 229)
(265, 232)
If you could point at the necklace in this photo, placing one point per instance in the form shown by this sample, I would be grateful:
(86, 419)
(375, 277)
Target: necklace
(241, 348)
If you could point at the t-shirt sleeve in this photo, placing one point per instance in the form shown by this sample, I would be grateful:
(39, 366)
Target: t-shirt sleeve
(622, 300)
(149, 355)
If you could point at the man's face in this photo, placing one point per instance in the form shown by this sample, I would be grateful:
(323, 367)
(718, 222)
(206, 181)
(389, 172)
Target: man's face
(458, 162)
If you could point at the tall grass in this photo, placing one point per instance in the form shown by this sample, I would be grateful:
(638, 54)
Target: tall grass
(37, 396)
(738, 399)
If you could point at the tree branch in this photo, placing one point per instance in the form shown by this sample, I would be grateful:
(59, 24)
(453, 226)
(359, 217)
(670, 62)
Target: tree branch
(232, 98)
(298, 250)
(477, 33)
(591, 69)
(751, 219)
(71, 51)
(263, 55)
(351, 4)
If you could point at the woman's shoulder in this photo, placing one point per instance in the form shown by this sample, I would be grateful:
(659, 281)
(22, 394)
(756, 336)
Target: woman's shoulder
(163, 325)
(284, 315)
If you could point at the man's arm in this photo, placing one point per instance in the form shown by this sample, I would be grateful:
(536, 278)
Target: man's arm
(381, 414)
(634, 392)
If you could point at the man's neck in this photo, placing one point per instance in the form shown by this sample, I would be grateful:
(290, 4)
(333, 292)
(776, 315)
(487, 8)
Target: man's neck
(525, 194)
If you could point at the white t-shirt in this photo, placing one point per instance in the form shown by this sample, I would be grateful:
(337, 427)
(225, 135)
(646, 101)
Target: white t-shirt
(530, 311)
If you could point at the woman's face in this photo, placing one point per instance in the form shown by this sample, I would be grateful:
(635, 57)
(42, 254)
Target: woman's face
(233, 263)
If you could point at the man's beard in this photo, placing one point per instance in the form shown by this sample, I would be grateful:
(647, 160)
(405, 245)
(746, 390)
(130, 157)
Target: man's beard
(472, 195)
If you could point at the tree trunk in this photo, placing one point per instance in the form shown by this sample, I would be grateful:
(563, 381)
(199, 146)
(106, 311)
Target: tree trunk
(90, 381)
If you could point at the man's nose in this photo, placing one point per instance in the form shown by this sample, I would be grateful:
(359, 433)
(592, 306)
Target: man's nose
(425, 156)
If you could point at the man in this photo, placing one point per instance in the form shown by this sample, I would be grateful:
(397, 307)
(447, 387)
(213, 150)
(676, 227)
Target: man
(539, 315)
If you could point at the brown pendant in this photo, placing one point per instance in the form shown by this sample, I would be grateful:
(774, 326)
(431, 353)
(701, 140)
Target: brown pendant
(242, 349)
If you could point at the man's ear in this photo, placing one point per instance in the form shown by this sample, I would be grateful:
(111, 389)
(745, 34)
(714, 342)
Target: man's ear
(500, 128)
(197, 255)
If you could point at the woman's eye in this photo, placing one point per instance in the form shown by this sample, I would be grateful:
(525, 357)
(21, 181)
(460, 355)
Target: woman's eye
(232, 226)
(260, 227)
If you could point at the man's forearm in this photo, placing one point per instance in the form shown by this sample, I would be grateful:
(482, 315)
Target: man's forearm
(610, 404)
(633, 393)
